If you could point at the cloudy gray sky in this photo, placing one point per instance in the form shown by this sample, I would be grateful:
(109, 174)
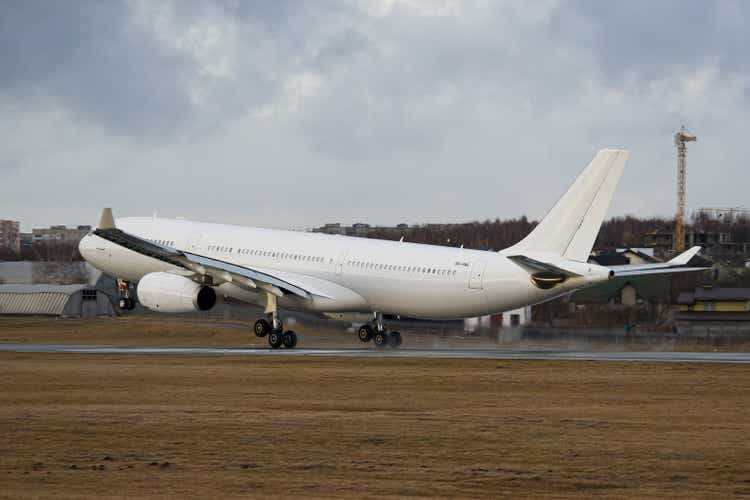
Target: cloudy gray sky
(291, 114)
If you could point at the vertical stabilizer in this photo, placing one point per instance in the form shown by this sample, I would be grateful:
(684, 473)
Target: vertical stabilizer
(571, 227)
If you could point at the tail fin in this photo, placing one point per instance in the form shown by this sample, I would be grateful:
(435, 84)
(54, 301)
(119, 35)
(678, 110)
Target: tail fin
(570, 228)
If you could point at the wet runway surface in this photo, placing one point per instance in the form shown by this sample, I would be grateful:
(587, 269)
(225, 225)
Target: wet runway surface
(500, 354)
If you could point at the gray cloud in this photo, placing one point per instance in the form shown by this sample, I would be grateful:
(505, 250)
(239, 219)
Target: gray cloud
(293, 113)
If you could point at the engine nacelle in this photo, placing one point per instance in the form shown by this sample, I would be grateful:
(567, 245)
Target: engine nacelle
(172, 293)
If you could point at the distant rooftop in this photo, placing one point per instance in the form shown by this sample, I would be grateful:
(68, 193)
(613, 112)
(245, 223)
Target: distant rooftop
(710, 294)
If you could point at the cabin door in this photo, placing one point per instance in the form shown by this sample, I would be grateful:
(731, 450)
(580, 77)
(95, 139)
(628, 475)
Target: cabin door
(476, 276)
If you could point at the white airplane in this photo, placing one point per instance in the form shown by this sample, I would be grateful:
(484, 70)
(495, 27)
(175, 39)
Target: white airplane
(181, 265)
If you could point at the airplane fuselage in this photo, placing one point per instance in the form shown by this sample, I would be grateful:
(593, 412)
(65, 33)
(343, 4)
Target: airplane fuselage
(352, 274)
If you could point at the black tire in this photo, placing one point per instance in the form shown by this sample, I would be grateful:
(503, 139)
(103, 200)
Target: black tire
(126, 304)
(289, 339)
(365, 333)
(261, 328)
(275, 339)
(394, 339)
(380, 339)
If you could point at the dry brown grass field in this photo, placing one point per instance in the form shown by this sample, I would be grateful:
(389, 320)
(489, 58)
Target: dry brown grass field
(105, 426)
(149, 331)
(176, 331)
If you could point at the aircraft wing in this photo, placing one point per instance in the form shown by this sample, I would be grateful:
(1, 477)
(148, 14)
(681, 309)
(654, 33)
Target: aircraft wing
(208, 269)
(678, 264)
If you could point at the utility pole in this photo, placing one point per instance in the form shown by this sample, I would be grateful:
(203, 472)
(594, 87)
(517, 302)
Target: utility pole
(680, 140)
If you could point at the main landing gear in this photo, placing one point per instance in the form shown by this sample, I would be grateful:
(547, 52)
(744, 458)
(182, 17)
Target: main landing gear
(126, 302)
(272, 327)
(376, 331)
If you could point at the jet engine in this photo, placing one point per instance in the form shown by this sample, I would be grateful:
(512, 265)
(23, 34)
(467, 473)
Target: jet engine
(172, 293)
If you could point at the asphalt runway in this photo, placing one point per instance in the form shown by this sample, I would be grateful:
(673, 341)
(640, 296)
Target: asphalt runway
(500, 354)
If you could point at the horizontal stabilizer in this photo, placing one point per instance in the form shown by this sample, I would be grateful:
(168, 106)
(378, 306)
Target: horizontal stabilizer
(684, 257)
(663, 270)
(678, 264)
(533, 265)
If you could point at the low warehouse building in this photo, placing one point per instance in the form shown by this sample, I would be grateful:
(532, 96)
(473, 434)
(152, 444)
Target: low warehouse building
(79, 301)
(708, 303)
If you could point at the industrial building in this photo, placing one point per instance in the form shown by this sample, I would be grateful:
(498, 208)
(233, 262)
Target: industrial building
(10, 236)
(362, 229)
(60, 233)
(75, 301)
(715, 244)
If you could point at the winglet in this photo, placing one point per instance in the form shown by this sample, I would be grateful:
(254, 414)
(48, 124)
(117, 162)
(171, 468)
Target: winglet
(107, 221)
(685, 256)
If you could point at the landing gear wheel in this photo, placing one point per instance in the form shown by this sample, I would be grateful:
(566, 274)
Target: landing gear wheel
(365, 333)
(275, 339)
(262, 327)
(127, 304)
(380, 340)
(394, 339)
(289, 339)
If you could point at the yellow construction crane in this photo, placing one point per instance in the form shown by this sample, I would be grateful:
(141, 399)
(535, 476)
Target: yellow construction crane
(680, 140)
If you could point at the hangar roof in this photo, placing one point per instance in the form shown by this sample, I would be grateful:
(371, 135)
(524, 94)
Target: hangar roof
(36, 299)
